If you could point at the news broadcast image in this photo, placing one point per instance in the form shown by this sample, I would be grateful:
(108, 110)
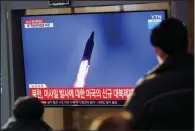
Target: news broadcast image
(87, 59)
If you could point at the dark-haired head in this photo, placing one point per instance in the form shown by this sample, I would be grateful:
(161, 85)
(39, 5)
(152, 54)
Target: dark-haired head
(28, 108)
(170, 38)
(71, 129)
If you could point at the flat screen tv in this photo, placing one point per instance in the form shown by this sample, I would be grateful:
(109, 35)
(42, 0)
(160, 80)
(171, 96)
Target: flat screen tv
(87, 59)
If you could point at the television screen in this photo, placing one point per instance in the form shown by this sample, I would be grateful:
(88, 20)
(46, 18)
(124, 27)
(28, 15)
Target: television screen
(92, 59)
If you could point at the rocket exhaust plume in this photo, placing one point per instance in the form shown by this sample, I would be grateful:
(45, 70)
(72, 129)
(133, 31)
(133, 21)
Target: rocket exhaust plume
(85, 62)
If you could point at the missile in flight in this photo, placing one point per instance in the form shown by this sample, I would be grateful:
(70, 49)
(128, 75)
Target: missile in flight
(89, 48)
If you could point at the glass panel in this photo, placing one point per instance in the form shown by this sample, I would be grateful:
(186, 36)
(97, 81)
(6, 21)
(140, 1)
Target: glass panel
(151, 6)
(97, 9)
(54, 117)
(83, 117)
(48, 11)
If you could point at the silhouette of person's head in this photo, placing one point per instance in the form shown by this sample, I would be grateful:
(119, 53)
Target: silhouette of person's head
(28, 108)
(169, 38)
(121, 121)
(71, 129)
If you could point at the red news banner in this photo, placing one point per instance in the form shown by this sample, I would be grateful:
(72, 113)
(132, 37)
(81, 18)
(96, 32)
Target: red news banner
(81, 93)
(33, 21)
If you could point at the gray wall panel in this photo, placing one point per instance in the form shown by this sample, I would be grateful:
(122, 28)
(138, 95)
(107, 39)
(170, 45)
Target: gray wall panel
(179, 10)
(5, 97)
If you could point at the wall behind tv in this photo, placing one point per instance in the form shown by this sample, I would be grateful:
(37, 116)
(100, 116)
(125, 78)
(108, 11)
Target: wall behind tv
(179, 10)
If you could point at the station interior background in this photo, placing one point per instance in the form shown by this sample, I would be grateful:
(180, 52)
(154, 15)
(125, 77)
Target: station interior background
(60, 118)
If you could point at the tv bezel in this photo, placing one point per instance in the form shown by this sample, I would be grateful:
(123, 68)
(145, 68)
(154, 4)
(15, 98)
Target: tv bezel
(19, 78)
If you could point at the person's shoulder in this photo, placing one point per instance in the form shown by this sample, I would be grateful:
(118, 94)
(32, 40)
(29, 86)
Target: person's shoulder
(144, 88)
(145, 83)
(145, 79)
(8, 125)
(148, 87)
(150, 76)
(155, 84)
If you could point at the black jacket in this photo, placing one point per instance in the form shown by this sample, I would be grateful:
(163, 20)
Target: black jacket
(164, 99)
(26, 125)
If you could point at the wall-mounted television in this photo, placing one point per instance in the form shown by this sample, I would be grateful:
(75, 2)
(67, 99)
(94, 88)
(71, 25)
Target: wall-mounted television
(88, 59)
